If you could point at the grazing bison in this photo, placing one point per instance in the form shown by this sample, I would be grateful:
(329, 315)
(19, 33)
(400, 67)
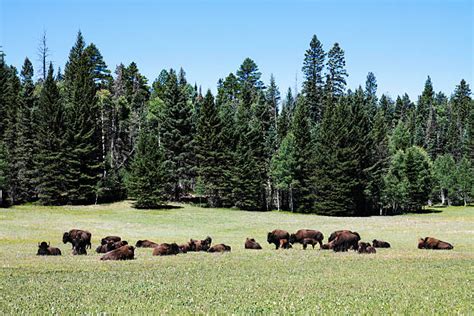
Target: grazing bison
(106, 239)
(125, 252)
(200, 245)
(380, 244)
(307, 233)
(79, 246)
(146, 244)
(166, 249)
(276, 235)
(433, 243)
(250, 243)
(219, 248)
(44, 249)
(344, 241)
(310, 241)
(365, 247)
(78, 234)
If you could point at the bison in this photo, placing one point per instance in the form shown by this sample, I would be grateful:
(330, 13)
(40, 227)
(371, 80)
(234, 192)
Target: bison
(307, 233)
(106, 239)
(285, 244)
(337, 232)
(250, 243)
(166, 249)
(365, 247)
(380, 244)
(110, 245)
(344, 241)
(78, 234)
(276, 235)
(44, 249)
(79, 246)
(125, 252)
(433, 243)
(200, 245)
(310, 241)
(184, 248)
(219, 248)
(146, 244)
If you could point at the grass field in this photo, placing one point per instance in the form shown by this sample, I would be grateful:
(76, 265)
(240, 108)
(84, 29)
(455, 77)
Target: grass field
(398, 280)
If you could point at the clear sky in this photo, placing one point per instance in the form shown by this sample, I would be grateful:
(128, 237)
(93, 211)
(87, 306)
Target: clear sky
(402, 42)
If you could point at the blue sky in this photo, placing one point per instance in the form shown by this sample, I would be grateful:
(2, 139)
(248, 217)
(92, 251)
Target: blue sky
(402, 42)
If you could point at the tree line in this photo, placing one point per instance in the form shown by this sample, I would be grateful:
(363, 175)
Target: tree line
(86, 136)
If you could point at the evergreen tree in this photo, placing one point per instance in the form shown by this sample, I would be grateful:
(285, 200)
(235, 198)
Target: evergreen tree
(400, 138)
(84, 157)
(337, 73)
(285, 117)
(371, 93)
(51, 144)
(464, 180)
(249, 83)
(313, 65)
(387, 107)
(148, 180)
(418, 174)
(425, 102)
(3, 175)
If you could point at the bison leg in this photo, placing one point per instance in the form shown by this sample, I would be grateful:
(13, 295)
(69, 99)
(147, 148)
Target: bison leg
(304, 246)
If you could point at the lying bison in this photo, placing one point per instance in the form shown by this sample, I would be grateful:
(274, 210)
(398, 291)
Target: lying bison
(365, 247)
(110, 245)
(75, 234)
(342, 241)
(166, 249)
(250, 243)
(276, 235)
(307, 234)
(146, 244)
(433, 243)
(380, 244)
(106, 239)
(44, 249)
(126, 252)
(200, 245)
(219, 248)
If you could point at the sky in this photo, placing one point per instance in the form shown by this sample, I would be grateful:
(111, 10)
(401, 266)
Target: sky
(401, 42)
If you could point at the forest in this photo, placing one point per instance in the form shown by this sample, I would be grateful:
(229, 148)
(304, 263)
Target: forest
(88, 135)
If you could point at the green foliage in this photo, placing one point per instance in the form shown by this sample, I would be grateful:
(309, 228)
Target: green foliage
(465, 181)
(444, 173)
(313, 66)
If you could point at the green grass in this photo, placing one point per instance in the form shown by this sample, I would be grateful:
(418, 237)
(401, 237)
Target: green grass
(398, 280)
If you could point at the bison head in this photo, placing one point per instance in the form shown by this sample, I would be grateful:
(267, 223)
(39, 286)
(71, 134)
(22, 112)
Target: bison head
(421, 243)
(66, 238)
(292, 238)
(270, 238)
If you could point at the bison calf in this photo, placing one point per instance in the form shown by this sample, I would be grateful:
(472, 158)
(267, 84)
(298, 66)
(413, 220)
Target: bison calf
(250, 243)
(310, 241)
(380, 244)
(126, 252)
(44, 249)
(365, 247)
(219, 248)
(302, 234)
(433, 243)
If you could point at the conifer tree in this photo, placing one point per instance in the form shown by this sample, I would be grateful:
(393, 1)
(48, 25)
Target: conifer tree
(313, 65)
(464, 180)
(336, 70)
(371, 93)
(425, 102)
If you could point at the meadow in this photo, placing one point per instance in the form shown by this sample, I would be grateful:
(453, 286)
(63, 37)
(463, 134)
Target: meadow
(400, 280)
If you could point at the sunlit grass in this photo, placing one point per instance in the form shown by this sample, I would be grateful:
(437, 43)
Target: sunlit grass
(398, 280)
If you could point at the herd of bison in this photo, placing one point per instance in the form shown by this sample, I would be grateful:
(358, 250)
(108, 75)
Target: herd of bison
(114, 248)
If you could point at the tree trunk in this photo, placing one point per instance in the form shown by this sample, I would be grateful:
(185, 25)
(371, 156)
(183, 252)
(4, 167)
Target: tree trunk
(443, 197)
(291, 199)
(278, 199)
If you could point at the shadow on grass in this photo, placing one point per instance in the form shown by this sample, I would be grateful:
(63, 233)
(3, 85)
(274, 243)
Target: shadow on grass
(424, 211)
(159, 207)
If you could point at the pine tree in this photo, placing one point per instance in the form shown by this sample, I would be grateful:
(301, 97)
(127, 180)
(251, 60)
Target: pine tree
(387, 107)
(464, 180)
(209, 150)
(418, 174)
(51, 144)
(285, 117)
(371, 93)
(336, 70)
(3, 175)
(313, 65)
(24, 143)
(249, 83)
(176, 135)
(425, 102)
(84, 157)
(148, 180)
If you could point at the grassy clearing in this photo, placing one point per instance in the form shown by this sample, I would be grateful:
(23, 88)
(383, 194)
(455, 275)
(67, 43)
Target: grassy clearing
(398, 280)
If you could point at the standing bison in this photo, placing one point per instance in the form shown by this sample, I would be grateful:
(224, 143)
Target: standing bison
(78, 234)
(126, 252)
(343, 240)
(433, 243)
(276, 235)
(44, 249)
(250, 243)
(307, 234)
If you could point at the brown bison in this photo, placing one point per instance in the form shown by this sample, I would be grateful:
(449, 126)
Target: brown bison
(73, 234)
(184, 248)
(146, 244)
(276, 235)
(125, 252)
(365, 247)
(166, 249)
(344, 241)
(310, 241)
(110, 245)
(433, 243)
(44, 249)
(219, 248)
(250, 243)
(79, 246)
(106, 239)
(285, 244)
(307, 233)
(337, 232)
(380, 244)
(200, 245)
